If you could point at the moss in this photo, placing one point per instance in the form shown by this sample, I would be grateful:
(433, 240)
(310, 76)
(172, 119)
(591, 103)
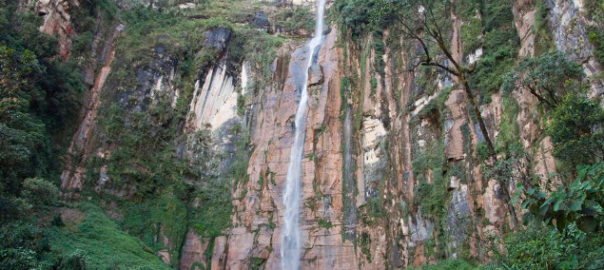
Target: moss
(257, 263)
(596, 37)
(271, 224)
(345, 93)
(436, 106)
(260, 180)
(323, 223)
(373, 86)
(272, 177)
(365, 244)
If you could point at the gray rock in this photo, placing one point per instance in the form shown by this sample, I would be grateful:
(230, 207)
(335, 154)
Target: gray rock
(217, 38)
(260, 21)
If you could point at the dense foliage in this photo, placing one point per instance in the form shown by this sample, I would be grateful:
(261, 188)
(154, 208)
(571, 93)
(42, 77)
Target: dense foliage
(39, 95)
(39, 98)
(157, 192)
(548, 77)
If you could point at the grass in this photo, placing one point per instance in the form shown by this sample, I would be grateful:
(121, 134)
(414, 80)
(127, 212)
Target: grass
(103, 244)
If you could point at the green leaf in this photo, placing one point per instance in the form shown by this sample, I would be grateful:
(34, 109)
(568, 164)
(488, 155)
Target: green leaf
(559, 205)
(575, 205)
(545, 207)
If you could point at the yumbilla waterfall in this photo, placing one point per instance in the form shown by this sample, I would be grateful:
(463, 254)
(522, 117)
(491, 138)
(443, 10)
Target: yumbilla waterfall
(290, 238)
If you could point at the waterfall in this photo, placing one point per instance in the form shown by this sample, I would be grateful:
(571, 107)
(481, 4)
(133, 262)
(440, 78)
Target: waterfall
(290, 238)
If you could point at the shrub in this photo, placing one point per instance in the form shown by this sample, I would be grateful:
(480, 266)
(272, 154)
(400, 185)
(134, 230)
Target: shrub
(40, 191)
(581, 202)
(548, 77)
(577, 130)
(74, 261)
(452, 264)
(105, 245)
(17, 259)
(540, 247)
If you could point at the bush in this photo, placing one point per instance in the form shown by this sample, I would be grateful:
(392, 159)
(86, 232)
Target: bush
(74, 261)
(577, 130)
(579, 203)
(548, 77)
(38, 98)
(17, 259)
(105, 245)
(500, 43)
(540, 247)
(40, 191)
(452, 264)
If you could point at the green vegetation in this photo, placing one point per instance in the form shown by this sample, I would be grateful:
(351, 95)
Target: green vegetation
(580, 202)
(153, 191)
(431, 194)
(365, 244)
(573, 122)
(576, 130)
(548, 77)
(450, 265)
(543, 35)
(357, 16)
(39, 95)
(323, 223)
(543, 248)
(295, 18)
(162, 180)
(100, 243)
(595, 11)
(500, 43)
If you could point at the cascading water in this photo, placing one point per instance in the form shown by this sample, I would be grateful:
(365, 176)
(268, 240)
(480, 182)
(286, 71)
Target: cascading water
(290, 238)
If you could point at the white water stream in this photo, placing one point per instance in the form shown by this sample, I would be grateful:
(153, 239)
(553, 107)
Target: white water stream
(290, 237)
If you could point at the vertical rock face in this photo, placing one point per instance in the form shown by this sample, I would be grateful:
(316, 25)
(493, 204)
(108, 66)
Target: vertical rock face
(378, 152)
(569, 28)
(215, 102)
(82, 141)
(193, 251)
(258, 217)
(365, 140)
(57, 21)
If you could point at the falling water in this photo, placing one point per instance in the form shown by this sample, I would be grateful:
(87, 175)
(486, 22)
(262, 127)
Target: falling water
(290, 238)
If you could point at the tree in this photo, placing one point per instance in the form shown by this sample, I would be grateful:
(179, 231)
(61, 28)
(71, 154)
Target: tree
(40, 192)
(426, 22)
(547, 77)
(577, 130)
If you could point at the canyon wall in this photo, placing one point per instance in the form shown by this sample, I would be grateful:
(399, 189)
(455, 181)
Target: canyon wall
(391, 174)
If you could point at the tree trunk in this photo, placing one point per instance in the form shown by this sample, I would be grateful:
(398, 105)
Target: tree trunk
(483, 129)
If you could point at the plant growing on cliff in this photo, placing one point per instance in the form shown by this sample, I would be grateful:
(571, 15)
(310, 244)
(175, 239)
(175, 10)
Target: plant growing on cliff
(425, 22)
(577, 130)
(548, 77)
(581, 202)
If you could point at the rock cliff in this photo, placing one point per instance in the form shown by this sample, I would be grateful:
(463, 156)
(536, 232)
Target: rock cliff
(392, 174)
